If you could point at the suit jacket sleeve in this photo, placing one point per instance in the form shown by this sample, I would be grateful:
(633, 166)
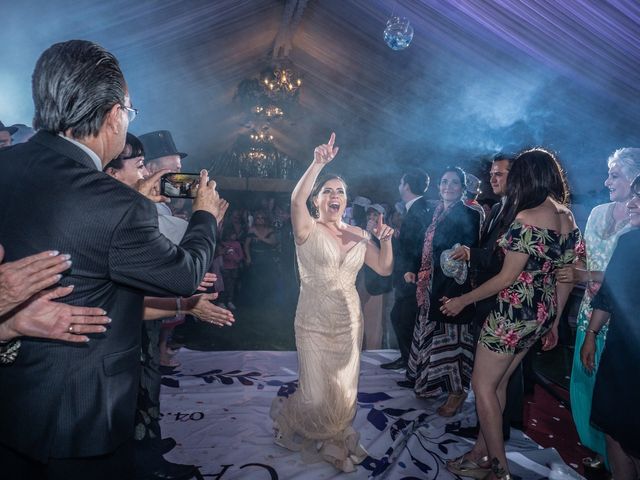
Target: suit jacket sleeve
(410, 244)
(141, 257)
(418, 219)
(481, 258)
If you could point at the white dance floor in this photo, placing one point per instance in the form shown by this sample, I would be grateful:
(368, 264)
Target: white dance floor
(216, 405)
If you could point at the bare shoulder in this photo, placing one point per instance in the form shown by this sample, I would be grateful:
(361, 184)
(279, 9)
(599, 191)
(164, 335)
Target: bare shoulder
(567, 219)
(527, 217)
(550, 215)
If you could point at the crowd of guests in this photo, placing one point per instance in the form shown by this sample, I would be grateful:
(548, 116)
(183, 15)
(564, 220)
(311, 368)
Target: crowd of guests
(475, 286)
(479, 293)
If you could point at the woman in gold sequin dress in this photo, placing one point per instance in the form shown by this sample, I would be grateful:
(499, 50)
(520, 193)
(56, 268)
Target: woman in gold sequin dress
(317, 419)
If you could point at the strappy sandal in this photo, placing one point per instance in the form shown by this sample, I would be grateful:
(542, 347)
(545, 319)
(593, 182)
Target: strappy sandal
(469, 468)
(499, 471)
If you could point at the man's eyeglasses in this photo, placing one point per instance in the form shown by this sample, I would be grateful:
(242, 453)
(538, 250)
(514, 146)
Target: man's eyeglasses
(131, 112)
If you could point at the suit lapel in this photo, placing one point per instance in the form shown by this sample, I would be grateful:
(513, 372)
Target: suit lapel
(63, 147)
(492, 222)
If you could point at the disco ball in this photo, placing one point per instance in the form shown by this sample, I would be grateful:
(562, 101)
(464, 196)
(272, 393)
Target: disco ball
(398, 34)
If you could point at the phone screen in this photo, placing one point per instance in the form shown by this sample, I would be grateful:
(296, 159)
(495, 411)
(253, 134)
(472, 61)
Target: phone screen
(179, 185)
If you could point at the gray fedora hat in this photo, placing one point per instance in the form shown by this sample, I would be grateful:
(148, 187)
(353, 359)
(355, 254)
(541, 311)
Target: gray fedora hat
(159, 144)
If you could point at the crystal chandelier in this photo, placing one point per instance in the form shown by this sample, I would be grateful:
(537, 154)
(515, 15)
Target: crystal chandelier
(262, 136)
(281, 81)
(269, 112)
(271, 94)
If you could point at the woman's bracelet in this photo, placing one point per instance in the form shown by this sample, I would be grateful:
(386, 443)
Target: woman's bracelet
(178, 306)
(591, 330)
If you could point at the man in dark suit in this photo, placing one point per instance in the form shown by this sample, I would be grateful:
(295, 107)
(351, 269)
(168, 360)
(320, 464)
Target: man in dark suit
(67, 409)
(485, 261)
(407, 259)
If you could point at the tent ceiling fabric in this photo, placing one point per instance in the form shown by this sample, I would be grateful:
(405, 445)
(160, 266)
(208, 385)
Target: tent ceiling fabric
(479, 75)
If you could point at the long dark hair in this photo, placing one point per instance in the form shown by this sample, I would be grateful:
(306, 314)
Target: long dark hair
(315, 191)
(534, 175)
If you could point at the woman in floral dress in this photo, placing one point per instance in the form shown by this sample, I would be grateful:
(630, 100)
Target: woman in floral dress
(605, 224)
(542, 237)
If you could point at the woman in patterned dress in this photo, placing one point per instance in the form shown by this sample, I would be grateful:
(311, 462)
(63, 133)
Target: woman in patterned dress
(542, 237)
(441, 357)
(605, 224)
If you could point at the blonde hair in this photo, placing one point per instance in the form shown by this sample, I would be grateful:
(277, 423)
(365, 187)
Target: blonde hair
(628, 159)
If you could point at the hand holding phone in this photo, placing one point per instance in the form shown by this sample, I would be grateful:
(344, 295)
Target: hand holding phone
(179, 185)
(207, 198)
(150, 186)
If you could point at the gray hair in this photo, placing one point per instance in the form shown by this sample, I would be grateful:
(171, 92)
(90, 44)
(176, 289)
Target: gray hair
(75, 84)
(628, 159)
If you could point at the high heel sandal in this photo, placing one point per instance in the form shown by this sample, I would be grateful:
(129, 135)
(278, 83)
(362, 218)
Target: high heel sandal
(469, 468)
(452, 405)
(499, 471)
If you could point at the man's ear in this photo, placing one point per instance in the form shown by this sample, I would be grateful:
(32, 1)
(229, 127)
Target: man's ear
(113, 119)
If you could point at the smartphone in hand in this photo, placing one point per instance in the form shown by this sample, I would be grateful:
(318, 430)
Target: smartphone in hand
(179, 185)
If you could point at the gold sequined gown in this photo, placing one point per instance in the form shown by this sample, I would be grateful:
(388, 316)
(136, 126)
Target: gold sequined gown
(316, 420)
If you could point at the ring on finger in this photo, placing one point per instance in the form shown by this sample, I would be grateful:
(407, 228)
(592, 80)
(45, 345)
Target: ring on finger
(70, 329)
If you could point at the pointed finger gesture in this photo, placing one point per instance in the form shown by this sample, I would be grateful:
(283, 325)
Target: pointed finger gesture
(382, 231)
(323, 154)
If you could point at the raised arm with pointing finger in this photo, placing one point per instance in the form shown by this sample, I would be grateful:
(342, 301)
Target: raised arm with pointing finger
(301, 219)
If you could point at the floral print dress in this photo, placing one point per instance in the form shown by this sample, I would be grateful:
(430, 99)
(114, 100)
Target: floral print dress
(525, 310)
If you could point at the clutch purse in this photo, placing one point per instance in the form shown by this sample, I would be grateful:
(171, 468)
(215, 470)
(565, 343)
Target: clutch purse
(456, 269)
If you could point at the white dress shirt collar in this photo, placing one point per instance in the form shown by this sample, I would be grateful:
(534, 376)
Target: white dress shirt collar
(411, 202)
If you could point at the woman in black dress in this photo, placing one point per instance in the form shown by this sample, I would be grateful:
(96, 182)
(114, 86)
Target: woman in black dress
(616, 395)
